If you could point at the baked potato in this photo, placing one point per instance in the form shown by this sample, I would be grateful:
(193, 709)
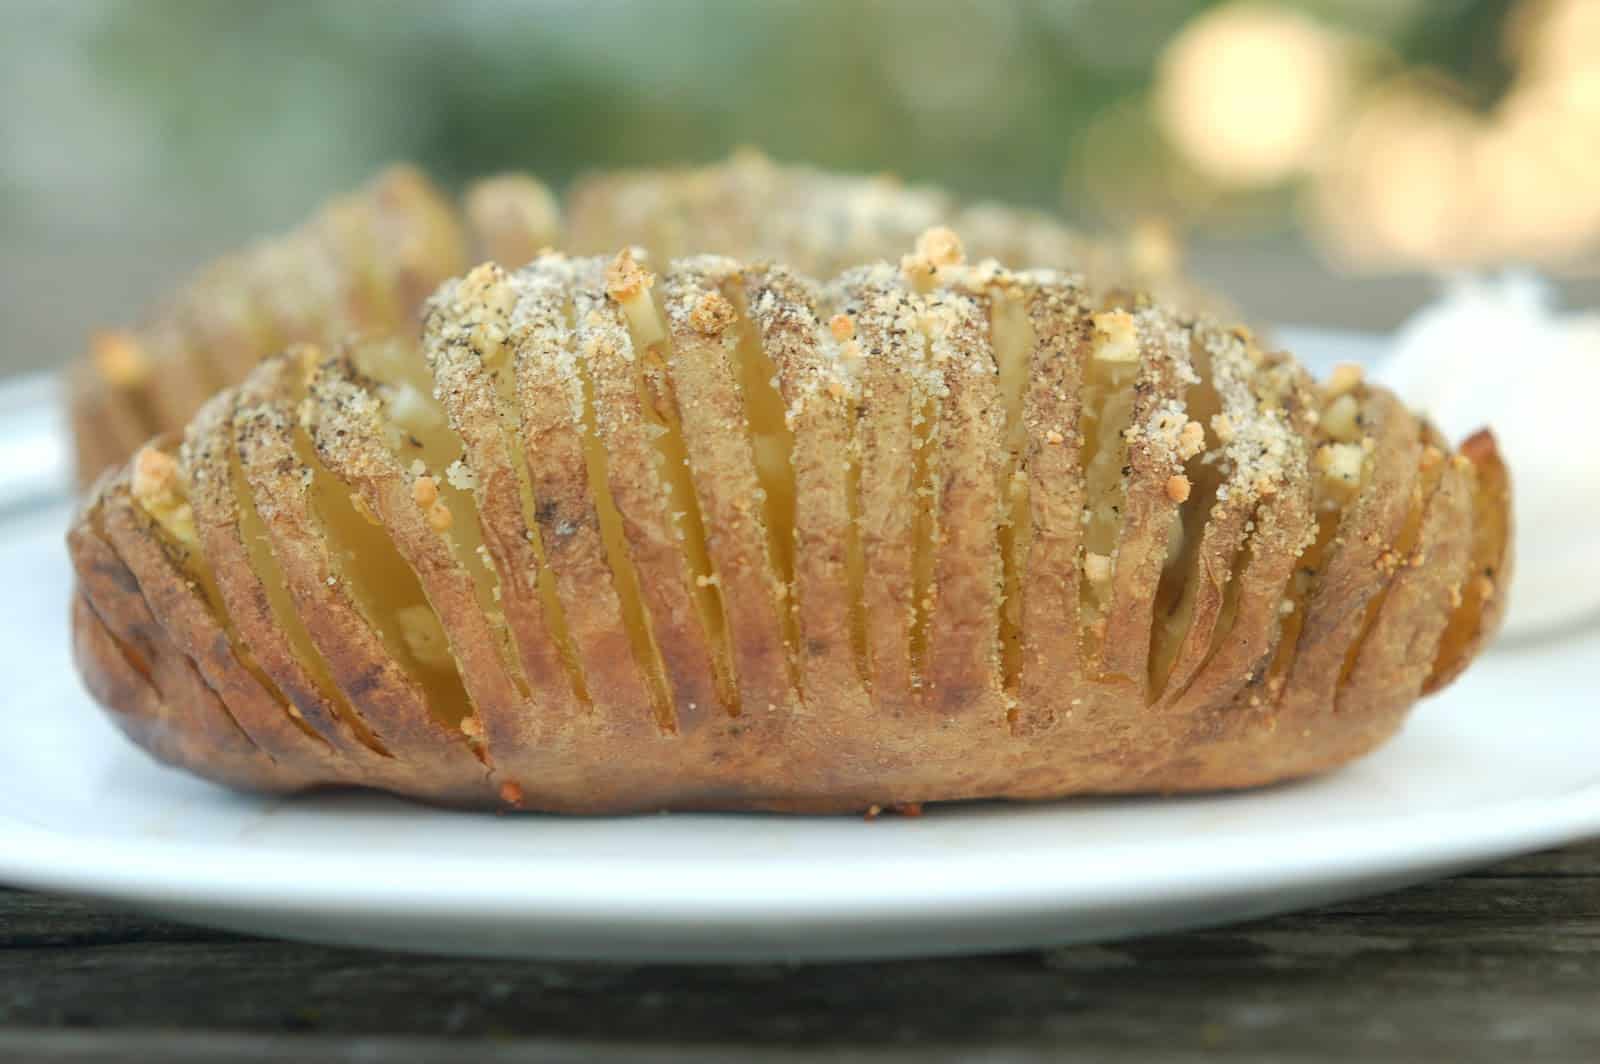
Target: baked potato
(726, 537)
(367, 261)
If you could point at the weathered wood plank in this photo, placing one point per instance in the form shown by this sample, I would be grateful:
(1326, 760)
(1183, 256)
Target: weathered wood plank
(1496, 965)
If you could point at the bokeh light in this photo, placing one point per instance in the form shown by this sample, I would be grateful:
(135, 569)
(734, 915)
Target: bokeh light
(1248, 92)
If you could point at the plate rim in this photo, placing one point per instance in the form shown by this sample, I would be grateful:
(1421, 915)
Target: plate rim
(452, 888)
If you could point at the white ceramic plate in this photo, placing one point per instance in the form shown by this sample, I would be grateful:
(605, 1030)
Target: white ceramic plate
(1506, 761)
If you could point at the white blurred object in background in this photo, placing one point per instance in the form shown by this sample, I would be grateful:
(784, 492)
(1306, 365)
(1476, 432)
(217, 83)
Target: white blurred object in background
(1495, 352)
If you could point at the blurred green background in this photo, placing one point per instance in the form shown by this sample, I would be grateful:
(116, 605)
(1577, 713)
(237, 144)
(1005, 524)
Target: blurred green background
(1324, 160)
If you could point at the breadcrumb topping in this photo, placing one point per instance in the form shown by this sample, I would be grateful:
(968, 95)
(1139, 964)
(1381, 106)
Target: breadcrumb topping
(157, 488)
(1191, 440)
(626, 279)
(1340, 462)
(1115, 337)
(1345, 378)
(155, 477)
(712, 314)
(937, 248)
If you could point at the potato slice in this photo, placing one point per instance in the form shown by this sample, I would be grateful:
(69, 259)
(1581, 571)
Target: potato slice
(1483, 592)
(960, 665)
(641, 488)
(1048, 548)
(702, 354)
(887, 330)
(1353, 570)
(579, 528)
(816, 368)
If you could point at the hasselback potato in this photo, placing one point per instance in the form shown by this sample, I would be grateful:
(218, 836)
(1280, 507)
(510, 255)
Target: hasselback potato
(727, 537)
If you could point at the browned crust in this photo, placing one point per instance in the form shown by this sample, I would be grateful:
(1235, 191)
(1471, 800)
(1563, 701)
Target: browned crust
(1148, 508)
(1484, 593)
(392, 703)
(819, 394)
(961, 672)
(460, 356)
(178, 605)
(153, 691)
(700, 360)
(1397, 655)
(213, 680)
(207, 464)
(1357, 565)
(346, 428)
(550, 404)
(610, 360)
(1052, 669)
(1276, 505)
(891, 352)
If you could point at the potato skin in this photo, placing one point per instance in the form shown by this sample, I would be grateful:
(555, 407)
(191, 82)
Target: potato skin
(850, 716)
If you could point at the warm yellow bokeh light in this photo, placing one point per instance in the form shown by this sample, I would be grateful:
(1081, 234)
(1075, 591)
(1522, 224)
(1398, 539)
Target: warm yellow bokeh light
(1248, 93)
(1393, 189)
(1421, 179)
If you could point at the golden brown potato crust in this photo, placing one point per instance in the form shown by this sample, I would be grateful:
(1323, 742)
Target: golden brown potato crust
(730, 538)
(366, 262)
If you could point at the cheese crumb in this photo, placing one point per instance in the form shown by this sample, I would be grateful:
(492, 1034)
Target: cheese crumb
(425, 491)
(936, 247)
(1340, 462)
(626, 279)
(461, 476)
(842, 327)
(1341, 420)
(1191, 440)
(1115, 338)
(1178, 486)
(941, 246)
(1345, 378)
(712, 314)
(159, 491)
(155, 477)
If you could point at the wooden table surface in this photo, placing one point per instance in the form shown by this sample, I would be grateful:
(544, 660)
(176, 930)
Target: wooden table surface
(1501, 964)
